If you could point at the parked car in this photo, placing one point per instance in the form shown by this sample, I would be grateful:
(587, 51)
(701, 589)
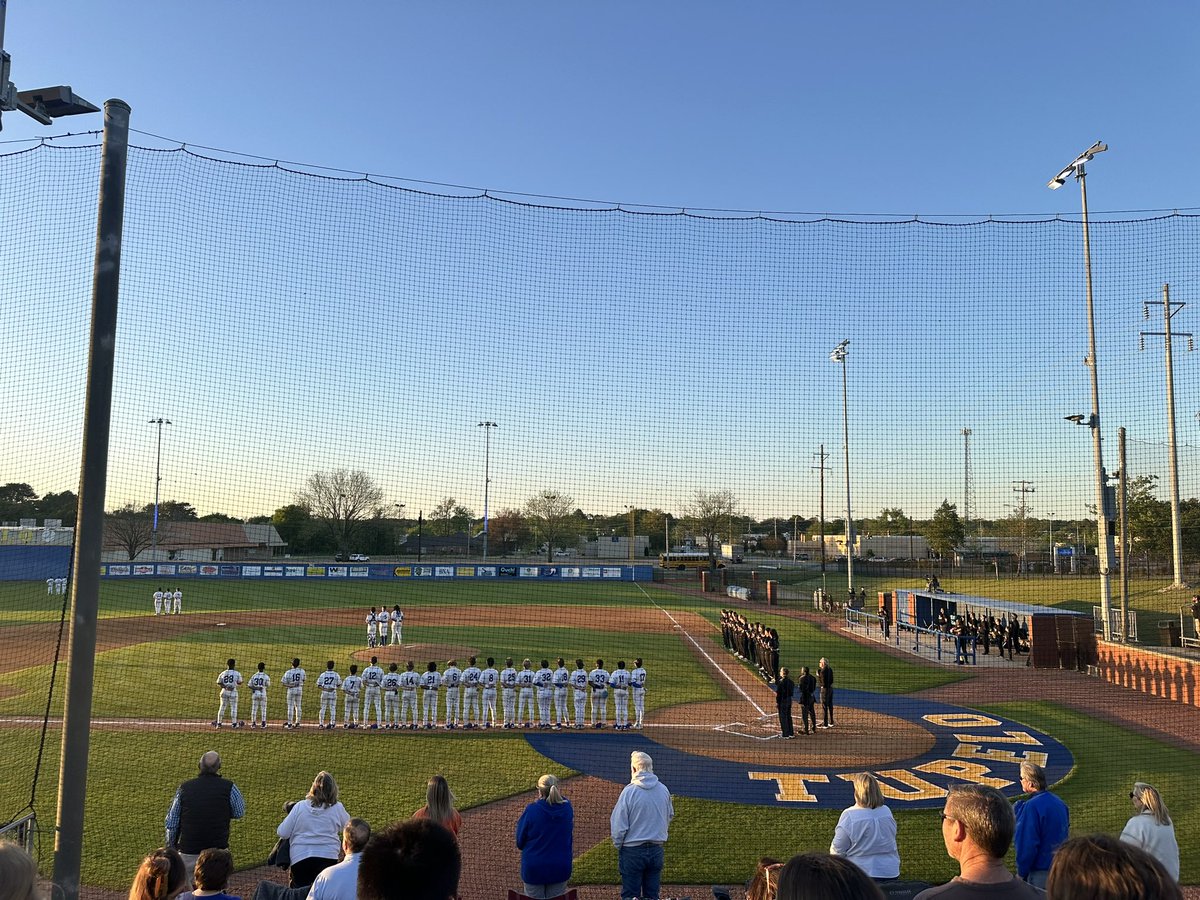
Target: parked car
(353, 557)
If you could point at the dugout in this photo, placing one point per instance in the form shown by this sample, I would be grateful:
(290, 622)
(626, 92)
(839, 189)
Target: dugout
(1058, 638)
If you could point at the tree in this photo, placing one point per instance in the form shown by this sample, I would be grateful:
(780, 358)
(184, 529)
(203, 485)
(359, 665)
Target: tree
(450, 517)
(225, 517)
(16, 502)
(550, 514)
(1149, 520)
(131, 529)
(708, 514)
(945, 531)
(508, 531)
(891, 520)
(173, 511)
(62, 506)
(340, 500)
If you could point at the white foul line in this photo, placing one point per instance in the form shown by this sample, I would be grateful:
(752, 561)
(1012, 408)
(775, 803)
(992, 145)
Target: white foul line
(716, 665)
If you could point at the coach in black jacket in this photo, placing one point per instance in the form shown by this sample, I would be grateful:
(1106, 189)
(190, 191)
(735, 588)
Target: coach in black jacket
(785, 688)
(808, 700)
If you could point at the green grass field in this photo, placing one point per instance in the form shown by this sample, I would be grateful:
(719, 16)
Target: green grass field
(167, 671)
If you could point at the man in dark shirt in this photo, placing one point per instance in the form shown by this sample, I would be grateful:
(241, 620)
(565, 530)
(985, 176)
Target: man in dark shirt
(826, 672)
(201, 811)
(785, 688)
(808, 700)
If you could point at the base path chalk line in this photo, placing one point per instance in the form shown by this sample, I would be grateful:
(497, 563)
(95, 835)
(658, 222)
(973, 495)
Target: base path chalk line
(716, 665)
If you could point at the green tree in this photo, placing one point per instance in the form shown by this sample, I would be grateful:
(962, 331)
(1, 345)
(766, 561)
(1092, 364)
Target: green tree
(550, 514)
(17, 502)
(945, 531)
(891, 520)
(172, 511)
(507, 532)
(708, 514)
(62, 506)
(1149, 521)
(225, 517)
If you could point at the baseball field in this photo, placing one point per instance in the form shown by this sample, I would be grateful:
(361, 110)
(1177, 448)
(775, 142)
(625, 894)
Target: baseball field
(739, 792)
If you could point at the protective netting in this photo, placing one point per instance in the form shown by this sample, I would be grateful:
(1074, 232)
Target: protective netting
(291, 324)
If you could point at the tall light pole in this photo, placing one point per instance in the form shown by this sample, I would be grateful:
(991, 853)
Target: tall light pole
(158, 423)
(839, 354)
(1169, 310)
(1104, 513)
(487, 479)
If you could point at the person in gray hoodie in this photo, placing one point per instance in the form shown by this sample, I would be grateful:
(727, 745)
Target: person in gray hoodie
(639, 825)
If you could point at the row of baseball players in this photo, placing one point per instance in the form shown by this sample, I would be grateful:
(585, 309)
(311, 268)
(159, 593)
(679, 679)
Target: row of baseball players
(377, 626)
(168, 602)
(527, 695)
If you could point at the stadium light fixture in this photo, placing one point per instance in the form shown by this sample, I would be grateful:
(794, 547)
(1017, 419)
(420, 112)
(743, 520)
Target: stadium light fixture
(41, 104)
(1076, 166)
(1105, 525)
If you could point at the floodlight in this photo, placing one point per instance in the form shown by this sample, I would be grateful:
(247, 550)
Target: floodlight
(1076, 165)
(1077, 418)
(55, 102)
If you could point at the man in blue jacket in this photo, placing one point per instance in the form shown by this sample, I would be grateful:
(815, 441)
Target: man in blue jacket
(1042, 824)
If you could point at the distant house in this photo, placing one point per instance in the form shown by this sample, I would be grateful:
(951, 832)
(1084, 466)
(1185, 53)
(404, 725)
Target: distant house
(202, 542)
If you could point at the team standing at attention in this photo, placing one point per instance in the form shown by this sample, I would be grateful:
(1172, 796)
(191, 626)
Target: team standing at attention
(470, 695)
(167, 602)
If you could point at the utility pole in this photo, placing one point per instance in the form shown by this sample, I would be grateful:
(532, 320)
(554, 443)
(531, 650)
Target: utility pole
(487, 481)
(1123, 526)
(1169, 310)
(821, 457)
(968, 492)
(1023, 487)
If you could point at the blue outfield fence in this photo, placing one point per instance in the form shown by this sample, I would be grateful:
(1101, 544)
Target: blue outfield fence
(34, 563)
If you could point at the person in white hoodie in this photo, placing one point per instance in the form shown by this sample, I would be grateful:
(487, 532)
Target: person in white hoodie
(866, 832)
(1151, 827)
(639, 825)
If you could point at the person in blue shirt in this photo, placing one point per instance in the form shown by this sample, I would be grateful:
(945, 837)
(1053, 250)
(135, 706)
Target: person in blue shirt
(1043, 821)
(545, 837)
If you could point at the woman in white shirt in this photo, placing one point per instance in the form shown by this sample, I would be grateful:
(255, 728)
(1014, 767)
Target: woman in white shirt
(1151, 828)
(313, 828)
(866, 831)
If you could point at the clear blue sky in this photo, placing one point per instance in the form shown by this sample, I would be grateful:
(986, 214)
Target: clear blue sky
(930, 109)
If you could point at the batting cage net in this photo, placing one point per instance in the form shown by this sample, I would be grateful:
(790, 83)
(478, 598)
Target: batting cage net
(494, 487)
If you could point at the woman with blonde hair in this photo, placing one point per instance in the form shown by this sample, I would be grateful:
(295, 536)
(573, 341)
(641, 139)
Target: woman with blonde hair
(866, 832)
(545, 837)
(18, 873)
(1151, 827)
(313, 828)
(439, 805)
(161, 876)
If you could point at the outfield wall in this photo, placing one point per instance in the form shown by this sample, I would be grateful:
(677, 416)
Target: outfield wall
(1150, 672)
(34, 562)
(439, 571)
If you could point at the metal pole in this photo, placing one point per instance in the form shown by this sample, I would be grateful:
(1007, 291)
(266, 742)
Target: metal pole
(1176, 528)
(1053, 553)
(85, 593)
(631, 533)
(1123, 518)
(846, 447)
(822, 512)
(1104, 524)
(420, 531)
(160, 422)
(487, 479)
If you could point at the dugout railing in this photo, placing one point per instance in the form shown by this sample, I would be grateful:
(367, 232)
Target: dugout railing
(911, 637)
(20, 830)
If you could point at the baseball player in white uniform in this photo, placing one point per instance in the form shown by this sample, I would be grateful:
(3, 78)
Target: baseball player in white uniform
(525, 682)
(599, 679)
(351, 689)
(293, 680)
(177, 602)
(619, 682)
(158, 599)
(373, 684)
(409, 680)
(328, 681)
(543, 680)
(508, 693)
(372, 628)
(259, 682)
(451, 678)
(60, 585)
(50, 585)
(579, 685)
(470, 692)
(229, 681)
(430, 682)
(488, 679)
(561, 678)
(638, 679)
(397, 619)
(391, 698)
